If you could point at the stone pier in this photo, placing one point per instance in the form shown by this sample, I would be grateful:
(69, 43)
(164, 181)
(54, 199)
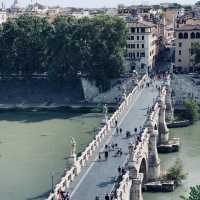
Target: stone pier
(162, 126)
(154, 161)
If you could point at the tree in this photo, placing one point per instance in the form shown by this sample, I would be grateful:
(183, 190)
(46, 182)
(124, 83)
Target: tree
(30, 44)
(176, 173)
(192, 109)
(196, 50)
(194, 194)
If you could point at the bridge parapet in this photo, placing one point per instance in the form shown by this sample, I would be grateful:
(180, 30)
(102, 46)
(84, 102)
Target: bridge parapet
(123, 192)
(90, 149)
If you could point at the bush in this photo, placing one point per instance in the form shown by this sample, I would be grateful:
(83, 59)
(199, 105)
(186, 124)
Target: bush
(191, 110)
(194, 194)
(176, 173)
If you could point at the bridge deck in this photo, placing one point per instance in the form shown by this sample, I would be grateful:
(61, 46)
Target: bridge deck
(98, 177)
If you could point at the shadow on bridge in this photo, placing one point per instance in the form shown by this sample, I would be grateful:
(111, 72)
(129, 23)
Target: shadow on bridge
(106, 183)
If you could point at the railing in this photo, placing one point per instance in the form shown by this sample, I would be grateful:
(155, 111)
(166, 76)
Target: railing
(124, 187)
(88, 152)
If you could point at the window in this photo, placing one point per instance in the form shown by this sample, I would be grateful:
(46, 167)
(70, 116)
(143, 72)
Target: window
(143, 46)
(180, 44)
(129, 46)
(132, 37)
(192, 35)
(142, 54)
(185, 35)
(132, 46)
(179, 52)
(133, 30)
(192, 51)
(138, 54)
(180, 35)
(143, 37)
(138, 30)
(197, 35)
(138, 46)
(179, 60)
(142, 30)
(138, 37)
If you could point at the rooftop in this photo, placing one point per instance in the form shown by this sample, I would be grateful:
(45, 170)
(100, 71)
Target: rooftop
(188, 27)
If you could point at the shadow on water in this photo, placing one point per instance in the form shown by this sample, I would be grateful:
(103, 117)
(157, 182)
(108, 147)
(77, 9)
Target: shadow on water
(41, 196)
(38, 116)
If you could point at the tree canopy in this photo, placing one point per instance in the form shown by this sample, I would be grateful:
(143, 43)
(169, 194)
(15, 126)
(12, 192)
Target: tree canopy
(194, 193)
(64, 48)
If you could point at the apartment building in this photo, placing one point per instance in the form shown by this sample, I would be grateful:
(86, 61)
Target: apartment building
(142, 45)
(186, 36)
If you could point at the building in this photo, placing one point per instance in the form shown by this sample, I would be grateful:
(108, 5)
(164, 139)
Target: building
(3, 16)
(186, 36)
(142, 45)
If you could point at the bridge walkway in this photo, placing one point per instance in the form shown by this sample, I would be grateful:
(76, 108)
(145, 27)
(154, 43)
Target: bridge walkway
(99, 176)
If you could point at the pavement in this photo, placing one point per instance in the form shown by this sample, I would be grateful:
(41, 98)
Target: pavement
(98, 176)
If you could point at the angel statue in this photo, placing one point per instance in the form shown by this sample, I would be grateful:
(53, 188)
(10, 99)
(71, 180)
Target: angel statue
(73, 146)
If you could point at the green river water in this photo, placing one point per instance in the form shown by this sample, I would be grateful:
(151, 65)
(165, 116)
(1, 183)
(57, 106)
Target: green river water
(33, 145)
(190, 156)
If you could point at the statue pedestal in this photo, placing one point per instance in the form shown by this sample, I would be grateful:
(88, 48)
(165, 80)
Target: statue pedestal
(72, 159)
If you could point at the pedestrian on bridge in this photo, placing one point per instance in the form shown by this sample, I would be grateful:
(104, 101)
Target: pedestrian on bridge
(117, 131)
(107, 197)
(119, 170)
(116, 123)
(120, 131)
(96, 198)
(135, 130)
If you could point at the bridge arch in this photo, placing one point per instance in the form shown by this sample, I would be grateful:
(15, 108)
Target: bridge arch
(143, 169)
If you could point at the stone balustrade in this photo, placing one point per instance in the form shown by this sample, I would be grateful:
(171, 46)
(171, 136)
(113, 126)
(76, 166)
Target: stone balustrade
(90, 149)
(124, 187)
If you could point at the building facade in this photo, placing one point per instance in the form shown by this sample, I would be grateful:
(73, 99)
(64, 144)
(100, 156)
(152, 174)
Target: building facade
(186, 36)
(142, 45)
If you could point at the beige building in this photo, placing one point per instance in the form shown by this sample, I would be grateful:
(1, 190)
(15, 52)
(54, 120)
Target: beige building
(142, 45)
(186, 36)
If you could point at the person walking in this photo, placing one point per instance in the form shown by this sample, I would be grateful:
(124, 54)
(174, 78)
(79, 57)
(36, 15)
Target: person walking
(119, 170)
(120, 131)
(116, 123)
(67, 197)
(117, 131)
(107, 197)
(135, 130)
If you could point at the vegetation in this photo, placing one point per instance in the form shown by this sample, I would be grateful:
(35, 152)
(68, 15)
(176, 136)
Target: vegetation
(192, 109)
(92, 46)
(196, 51)
(176, 173)
(194, 194)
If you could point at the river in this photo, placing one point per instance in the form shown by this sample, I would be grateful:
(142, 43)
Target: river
(33, 145)
(190, 156)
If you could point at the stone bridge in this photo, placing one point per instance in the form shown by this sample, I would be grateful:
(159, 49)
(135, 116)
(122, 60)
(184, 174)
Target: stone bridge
(88, 177)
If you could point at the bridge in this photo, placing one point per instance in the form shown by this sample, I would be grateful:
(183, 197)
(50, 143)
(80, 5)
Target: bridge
(89, 176)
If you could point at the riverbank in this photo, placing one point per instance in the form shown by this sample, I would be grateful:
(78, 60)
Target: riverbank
(189, 154)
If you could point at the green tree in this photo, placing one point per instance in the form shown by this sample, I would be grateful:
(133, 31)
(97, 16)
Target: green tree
(194, 194)
(176, 173)
(30, 44)
(192, 109)
(196, 51)
(8, 34)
